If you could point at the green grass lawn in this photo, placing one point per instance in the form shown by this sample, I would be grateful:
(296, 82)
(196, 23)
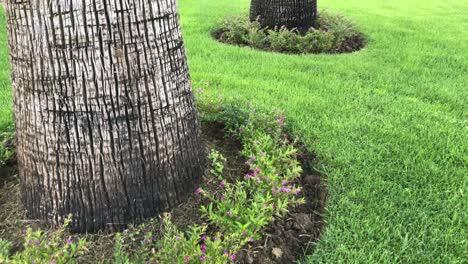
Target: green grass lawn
(389, 123)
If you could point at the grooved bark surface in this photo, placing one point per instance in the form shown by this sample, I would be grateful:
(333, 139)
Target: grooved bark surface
(106, 124)
(300, 14)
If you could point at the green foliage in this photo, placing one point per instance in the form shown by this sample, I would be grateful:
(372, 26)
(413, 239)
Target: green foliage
(284, 40)
(173, 246)
(217, 164)
(45, 247)
(5, 247)
(337, 26)
(7, 145)
(333, 30)
(234, 29)
(256, 37)
(318, 41)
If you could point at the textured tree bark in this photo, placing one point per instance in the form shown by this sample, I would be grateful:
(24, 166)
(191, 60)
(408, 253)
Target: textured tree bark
(106, 124)
(299, 14)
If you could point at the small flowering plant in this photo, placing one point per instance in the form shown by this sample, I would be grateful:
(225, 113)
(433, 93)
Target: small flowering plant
(45, 247)
(269, 188)
(217, 164)
(192, 246)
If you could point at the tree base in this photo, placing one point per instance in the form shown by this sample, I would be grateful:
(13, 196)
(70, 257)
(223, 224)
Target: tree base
(332, 34)
(294, 234)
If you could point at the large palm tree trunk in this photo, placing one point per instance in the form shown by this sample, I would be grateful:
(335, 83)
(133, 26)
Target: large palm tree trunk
(299, 14)
(106, 124)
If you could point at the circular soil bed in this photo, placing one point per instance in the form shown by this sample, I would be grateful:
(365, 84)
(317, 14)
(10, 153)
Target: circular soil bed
(332, 34)
(285, 240)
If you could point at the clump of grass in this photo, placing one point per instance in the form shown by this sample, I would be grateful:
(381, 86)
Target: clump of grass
(332, 34)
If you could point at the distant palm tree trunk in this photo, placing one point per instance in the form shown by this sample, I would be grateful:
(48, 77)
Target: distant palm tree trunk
(106, 123)
(300, 14)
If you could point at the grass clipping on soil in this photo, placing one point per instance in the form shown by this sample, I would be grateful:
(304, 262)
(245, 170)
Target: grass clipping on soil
(333, 34)
(251, 212)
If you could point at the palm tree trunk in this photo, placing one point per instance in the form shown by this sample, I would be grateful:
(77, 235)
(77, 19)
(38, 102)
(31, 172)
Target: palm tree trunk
(106, 125)
(299, 14)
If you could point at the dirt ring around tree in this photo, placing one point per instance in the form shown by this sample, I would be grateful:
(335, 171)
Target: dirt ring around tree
(285, 240)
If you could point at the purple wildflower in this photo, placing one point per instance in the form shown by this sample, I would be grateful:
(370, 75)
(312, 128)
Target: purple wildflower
(247, 164)
(274, 191)
(198, 191)
(233, 256)
(247, 176)
(202, 258)
(203, 249)
(297, 191)
(244, 233)
(187, 259)
(225, 252)
(204, 237)
(284, 182)
(229, 213)
(221, 183)
(252, 158)
(38, 243)
(268, 129)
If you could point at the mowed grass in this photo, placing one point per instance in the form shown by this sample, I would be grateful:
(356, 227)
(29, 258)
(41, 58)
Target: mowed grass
(6, 102)
(389, 123)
